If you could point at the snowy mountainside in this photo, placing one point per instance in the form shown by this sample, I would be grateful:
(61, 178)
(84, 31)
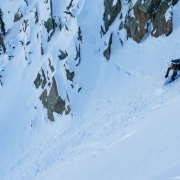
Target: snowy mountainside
(105, 114)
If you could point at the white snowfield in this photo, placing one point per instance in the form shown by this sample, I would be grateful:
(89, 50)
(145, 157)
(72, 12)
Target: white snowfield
(124, 123)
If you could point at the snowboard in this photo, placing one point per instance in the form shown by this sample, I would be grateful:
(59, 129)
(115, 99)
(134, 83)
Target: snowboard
(168, 81)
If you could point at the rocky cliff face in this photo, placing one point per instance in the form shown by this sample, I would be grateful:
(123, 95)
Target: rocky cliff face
(144, 14)
(141, 18)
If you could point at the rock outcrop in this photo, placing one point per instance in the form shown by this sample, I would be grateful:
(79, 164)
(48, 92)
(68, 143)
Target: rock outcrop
(2, 43)
(50, 98)
(53, 102)
(49, 24)
(18, 15)
(63, 55)
(111, 12)
(162, 22)
(107, 51)
(174, 2)
(143, 13)
(69, 75)
(40, 80)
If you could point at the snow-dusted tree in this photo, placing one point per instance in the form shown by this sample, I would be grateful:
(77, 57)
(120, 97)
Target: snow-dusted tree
(2, 24)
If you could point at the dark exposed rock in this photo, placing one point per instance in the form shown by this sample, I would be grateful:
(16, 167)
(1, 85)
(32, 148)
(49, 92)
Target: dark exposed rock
(51, 66)
(121, 25)
(68, 110)
(26, 2)
(53, 102)
(136, 26)
(78, 54)
(63, 55)
(28, 43)
(42, 50)
(36, 16)
(59, 106)
(43, 79)
(1, 80)
(22, 43)
(43, 98)
(67, 97)
(79, 89)
(107, 52)
(70, 13)
(70, 4)
(66, 27)
(143, 13)
(49, 25)
(121, 41)
(174, 2)
(70, 75)
(160, 25)
(25, 25)
(2, 43)
(149, 6)
(79, 34)
(1, 50)
(111, 12)
(121, 16)
(18, 16)
(40, 80)
(102, 32)
(51, 7)
(11, 57)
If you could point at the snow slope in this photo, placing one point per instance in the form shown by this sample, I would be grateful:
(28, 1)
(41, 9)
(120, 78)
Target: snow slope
(124, 122)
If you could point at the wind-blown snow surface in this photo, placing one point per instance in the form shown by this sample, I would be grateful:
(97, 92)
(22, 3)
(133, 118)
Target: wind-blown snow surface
(124, 122)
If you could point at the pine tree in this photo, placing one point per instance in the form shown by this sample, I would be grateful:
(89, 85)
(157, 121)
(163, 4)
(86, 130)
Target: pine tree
(2, 24)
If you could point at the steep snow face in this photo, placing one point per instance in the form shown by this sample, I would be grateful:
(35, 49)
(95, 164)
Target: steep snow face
(121, 125)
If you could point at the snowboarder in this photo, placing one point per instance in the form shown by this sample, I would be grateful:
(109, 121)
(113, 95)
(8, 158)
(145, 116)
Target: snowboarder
(175, 66)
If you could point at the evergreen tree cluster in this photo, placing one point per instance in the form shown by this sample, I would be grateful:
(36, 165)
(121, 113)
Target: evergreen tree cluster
(2, 24)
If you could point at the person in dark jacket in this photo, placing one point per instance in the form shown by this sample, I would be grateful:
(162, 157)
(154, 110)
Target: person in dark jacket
(175, 66)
